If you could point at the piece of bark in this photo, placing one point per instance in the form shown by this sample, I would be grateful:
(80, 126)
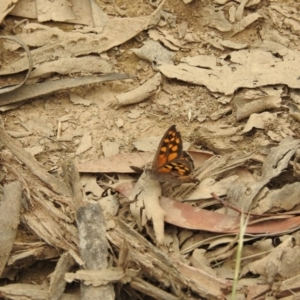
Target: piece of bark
(151, 290)
(72, 180)
(10, 207)
(50, 181)
(93, 248)
(92, 235)
(25, 254)
(158, 266)
(96, 277)
(51, 224)
(19, 291)
(44, 210)
(57, 282)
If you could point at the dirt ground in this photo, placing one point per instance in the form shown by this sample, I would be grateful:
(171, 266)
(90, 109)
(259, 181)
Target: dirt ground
(206, 118)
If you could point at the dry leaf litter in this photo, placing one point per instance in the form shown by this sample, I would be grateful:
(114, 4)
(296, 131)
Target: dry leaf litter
(88, 88)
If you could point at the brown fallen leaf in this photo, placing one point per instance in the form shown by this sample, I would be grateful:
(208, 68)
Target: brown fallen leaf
(190, 217)
(121, 163)
(29, 91)
(187, 216)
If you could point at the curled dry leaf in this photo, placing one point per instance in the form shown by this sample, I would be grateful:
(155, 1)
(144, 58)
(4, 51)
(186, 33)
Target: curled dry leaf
(294, 111)
(260, 121)
(245, 22)
(146, 194)
(279, 264)
(240, 10)
(246, 107)
(146, 90)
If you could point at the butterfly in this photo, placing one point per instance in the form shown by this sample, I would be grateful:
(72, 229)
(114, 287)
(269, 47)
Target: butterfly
(171, 163)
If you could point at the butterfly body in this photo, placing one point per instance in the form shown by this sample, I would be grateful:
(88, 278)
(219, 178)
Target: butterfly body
(171, 163)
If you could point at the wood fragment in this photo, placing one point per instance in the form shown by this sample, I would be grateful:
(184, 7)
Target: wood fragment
(151, 290)
(72, 180)
(19, 291)
(27, 253)
(157, 265)
(10, 207)
(93, 248)
(57, 282)
(50, 181)
(92, 236)
(96, 277)
(44, 209)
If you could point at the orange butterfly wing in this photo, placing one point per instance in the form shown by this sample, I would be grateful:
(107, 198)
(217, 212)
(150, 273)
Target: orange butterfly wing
(171, 163)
